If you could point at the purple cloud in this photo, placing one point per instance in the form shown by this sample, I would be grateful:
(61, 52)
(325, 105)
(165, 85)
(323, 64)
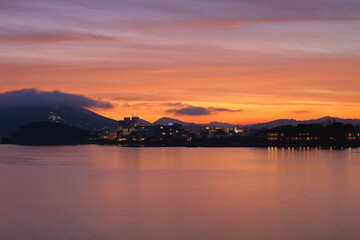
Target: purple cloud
(34, 97)
(192, 111)
(199, 111)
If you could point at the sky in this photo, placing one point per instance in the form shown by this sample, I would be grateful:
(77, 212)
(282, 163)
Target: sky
(236, 61)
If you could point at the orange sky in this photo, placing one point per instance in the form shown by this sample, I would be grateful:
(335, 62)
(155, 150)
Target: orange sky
(257, 61)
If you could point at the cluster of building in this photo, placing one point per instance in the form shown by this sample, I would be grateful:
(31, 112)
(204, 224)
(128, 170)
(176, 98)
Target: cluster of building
(221, 130)
(353, 136)
(130, 128)
(299, 137)
(307, 137)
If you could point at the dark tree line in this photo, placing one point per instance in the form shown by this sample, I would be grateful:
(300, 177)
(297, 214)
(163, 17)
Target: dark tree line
(46, 133)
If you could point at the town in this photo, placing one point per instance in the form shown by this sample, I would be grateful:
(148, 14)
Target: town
(328, 134)
(130, 129)
(68, 128)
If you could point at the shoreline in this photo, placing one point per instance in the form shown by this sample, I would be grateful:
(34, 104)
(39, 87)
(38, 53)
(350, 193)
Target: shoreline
(163, 145)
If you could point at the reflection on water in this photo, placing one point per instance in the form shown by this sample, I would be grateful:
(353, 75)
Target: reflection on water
(97, 192)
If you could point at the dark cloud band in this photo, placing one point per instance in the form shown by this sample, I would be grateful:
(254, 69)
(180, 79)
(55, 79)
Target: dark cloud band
(199, 111)
(34, 97)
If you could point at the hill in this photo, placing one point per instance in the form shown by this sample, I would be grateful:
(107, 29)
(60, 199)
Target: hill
(193, 127)
(46, 133)
(143, 122)
(12, 118)
(188, 126)
(292, 122)
(167, 120)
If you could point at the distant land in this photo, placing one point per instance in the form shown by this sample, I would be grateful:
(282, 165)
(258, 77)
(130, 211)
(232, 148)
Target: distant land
(167, 120)
(266, 125)
(292, 122)
(12, 118)
(332, 135)
(47, 133)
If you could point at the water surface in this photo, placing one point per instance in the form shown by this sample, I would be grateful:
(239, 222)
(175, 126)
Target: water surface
(108, 192)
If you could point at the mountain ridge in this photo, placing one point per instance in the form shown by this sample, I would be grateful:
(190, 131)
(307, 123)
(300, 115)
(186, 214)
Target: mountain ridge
(270, 124)
(12, 118)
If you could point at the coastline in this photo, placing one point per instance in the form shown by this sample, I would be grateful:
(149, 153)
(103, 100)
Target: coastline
(189, 145)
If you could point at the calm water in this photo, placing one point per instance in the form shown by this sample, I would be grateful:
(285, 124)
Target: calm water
(98, 192)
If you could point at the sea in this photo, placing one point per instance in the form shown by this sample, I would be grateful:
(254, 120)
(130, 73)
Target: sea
(93, 192)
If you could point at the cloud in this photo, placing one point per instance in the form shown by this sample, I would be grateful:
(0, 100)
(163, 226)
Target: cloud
(34, 97)
(48, 37)
(223, 110)
(127, 98)
(301, 112)
(175, 104)
(190, 111)
(199, 111)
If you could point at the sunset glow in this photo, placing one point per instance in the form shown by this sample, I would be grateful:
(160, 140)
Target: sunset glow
(241, 61)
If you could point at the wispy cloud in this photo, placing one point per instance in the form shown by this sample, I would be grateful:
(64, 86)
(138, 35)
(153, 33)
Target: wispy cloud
(127, 98)
(48, 37)
(301, 112)
(258, 55)
(175, 104)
